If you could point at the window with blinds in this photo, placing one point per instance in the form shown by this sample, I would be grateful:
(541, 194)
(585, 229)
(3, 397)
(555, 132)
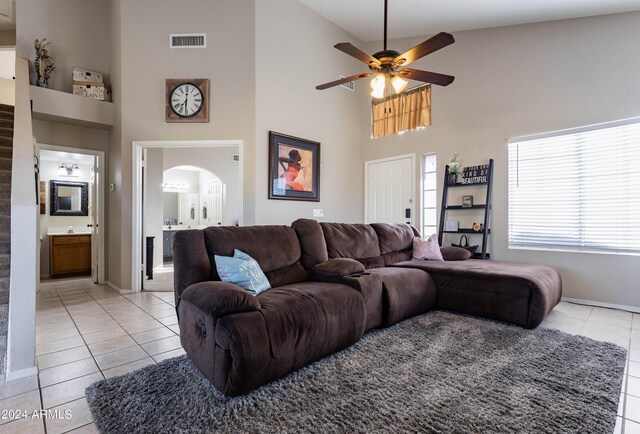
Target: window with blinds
(404, 111)
(577, 190)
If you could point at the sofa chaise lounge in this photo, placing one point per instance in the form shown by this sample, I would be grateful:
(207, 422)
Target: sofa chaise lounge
(330, 283)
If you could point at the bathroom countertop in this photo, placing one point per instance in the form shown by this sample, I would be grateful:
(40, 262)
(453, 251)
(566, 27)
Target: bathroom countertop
(57, 233)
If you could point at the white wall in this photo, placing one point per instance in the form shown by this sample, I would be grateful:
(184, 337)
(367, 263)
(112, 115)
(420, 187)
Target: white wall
(521, 80)
(49, 171)
(77, 29)
(291, 59)
(145, 61)
(7, 91)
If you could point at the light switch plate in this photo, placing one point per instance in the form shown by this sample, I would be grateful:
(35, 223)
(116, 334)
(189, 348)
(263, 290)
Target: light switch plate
(318, 213)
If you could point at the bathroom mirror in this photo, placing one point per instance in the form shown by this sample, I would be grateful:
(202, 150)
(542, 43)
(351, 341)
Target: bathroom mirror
(69, 198)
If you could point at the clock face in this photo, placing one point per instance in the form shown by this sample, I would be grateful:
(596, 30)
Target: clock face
(186, 100)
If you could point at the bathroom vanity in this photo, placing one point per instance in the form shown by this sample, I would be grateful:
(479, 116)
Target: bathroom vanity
(70, 253)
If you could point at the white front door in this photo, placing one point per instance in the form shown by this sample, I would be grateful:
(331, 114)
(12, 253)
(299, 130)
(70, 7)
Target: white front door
(389, 191)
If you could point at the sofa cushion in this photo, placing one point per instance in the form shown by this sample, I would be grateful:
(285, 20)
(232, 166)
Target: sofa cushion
(393, 238)
(355, 241)
(314, 248)
(242, 270)
(275, 248)
(309, 320)
(450, 253)
(338, 267)
(405, 294)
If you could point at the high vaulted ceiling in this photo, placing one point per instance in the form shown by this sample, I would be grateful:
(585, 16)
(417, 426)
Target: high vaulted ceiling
(364, 18)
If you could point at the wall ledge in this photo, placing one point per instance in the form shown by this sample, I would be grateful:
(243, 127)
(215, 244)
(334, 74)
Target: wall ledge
(67, 108)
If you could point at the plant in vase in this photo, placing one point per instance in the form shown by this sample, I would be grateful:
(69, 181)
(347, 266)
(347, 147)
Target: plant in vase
(455, 168)
(43, 64)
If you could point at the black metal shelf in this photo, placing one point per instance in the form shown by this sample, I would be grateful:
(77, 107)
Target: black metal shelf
(467, 231)
(459, 184)
(486, 207)
(466, 207)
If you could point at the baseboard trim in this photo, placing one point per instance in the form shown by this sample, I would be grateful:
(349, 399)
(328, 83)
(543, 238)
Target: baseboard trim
(633, 309)
(117, 289)
(20, 373)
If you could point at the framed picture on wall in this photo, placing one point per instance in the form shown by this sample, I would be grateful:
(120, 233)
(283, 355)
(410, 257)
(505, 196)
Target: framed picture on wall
(294, 168)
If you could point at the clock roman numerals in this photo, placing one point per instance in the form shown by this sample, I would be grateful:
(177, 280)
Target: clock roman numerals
(187, 100)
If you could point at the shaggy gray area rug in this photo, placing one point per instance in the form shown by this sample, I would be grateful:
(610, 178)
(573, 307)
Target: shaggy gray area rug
(436, 373)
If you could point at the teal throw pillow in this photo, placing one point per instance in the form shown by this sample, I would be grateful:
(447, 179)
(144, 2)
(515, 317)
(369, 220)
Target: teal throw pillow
(242, 270)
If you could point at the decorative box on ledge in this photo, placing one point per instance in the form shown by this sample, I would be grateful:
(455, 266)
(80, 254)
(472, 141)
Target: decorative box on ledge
(89, 84)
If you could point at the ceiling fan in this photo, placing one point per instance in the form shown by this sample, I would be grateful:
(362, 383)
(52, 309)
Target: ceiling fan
(385, 64)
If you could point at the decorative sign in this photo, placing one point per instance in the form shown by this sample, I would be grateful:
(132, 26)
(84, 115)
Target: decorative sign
(475, 174)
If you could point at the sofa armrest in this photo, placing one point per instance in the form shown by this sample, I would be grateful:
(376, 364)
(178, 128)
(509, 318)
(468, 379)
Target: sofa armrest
(337, 267)
(220, 298)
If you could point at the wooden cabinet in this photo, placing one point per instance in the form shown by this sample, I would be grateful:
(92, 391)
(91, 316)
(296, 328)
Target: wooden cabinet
(70, 254)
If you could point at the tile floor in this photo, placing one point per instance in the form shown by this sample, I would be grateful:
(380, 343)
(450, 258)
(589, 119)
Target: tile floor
(86, 332)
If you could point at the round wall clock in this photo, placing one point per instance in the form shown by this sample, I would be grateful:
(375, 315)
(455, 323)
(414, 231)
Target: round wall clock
(187, 100)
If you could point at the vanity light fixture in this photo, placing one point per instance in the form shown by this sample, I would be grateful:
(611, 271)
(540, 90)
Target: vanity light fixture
(64, 170)
(170, 187)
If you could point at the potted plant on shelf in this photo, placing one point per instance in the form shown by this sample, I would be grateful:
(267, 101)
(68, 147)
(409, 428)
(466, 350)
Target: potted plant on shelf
(43, 64)
(455, 167)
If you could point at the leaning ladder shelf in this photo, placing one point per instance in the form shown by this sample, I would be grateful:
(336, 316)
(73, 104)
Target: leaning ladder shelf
(486, 206)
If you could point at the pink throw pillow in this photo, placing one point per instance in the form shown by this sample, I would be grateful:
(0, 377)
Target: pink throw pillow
(427, 249)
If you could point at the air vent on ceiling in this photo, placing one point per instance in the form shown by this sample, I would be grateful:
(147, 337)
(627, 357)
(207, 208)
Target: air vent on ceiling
(351, 85)
(188, 40)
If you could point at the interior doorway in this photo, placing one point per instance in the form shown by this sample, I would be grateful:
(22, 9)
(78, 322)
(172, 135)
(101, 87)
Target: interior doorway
(390, 190)
(71, 198)
(180, 186)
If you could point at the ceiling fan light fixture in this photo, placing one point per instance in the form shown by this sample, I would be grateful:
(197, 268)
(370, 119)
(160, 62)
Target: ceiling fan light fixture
(398, 83)
(377, 83)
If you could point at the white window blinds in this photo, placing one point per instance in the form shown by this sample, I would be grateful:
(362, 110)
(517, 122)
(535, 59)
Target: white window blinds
(577, 190)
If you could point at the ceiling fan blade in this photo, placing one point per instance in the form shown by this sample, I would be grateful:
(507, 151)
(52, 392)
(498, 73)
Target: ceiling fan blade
(435, 43)
(426, 76)
(353, 51)
(343, 80)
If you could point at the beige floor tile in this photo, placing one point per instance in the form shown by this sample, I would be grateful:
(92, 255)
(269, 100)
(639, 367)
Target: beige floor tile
(56, 335)
(161, 311)
(67, 391)
(128, 367)
(28, 402)
(175, 328)
(162, 345)
(120, 357)
(169, 320)
(98, 326)
(114, 344)
(61, 357)
(168, 355)
(141, 326)
(631, 427)
(68, 325)
(152, 335)
(24, 426)
(576, 311)
(104, 335)
(633, 369)
(80, 415)
(67, 371)
(621, 404)
(618, 428)
(632, 409)
(613, 317)
(563, 323)
(17, 387)
(634, 354)
(633, 386)
(87, 429)
(59, 345)
(605, 333)
(636, 321)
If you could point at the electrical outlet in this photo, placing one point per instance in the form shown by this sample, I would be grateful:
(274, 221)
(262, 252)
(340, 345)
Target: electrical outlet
(318, 213)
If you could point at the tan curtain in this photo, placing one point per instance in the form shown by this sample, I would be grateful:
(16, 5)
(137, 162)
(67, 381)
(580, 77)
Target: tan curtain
(402, 112)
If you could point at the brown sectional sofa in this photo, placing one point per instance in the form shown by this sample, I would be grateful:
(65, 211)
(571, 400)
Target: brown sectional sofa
(330, 282)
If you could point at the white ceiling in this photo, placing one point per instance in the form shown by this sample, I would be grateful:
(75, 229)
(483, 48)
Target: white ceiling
(364, 18)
